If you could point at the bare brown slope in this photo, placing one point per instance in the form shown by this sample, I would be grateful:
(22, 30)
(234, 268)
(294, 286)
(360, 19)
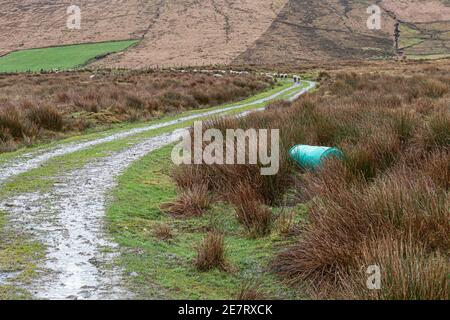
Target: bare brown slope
(193, 32)
(337, 29)
(204, 32)
(328, 29)
(42, 23)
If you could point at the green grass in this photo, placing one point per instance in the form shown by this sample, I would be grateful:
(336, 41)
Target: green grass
(410, 37)
(165, 270)
(62, 58)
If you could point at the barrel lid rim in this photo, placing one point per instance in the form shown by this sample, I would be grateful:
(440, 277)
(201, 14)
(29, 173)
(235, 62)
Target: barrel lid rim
(299, 146)
(336, 151)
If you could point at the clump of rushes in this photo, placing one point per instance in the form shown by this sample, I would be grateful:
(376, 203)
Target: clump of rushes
(250, 291)
(192, 202)
(408, 272)
(250, 211)
(434, 88)
(437, 133)
(211, 253)
(387, 201)
(437, 167)
(163, 232)
(404, 206)
(11, 124)
(404, 122)
(188, 176)
(46, 117)
(374, 154)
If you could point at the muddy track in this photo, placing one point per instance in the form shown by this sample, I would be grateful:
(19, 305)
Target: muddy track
(69, 219)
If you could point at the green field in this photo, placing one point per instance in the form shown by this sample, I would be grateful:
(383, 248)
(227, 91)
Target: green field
(62, 58)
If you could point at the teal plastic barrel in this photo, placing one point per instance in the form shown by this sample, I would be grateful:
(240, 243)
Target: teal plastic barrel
(312, 157)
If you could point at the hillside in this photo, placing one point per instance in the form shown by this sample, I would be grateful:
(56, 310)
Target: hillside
(40, 23)
(336, 29)
(191, 32)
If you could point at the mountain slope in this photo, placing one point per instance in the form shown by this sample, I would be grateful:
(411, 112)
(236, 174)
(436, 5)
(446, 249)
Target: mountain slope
(337, 29)
(194, 32)
(41, 23)
(328, 29)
